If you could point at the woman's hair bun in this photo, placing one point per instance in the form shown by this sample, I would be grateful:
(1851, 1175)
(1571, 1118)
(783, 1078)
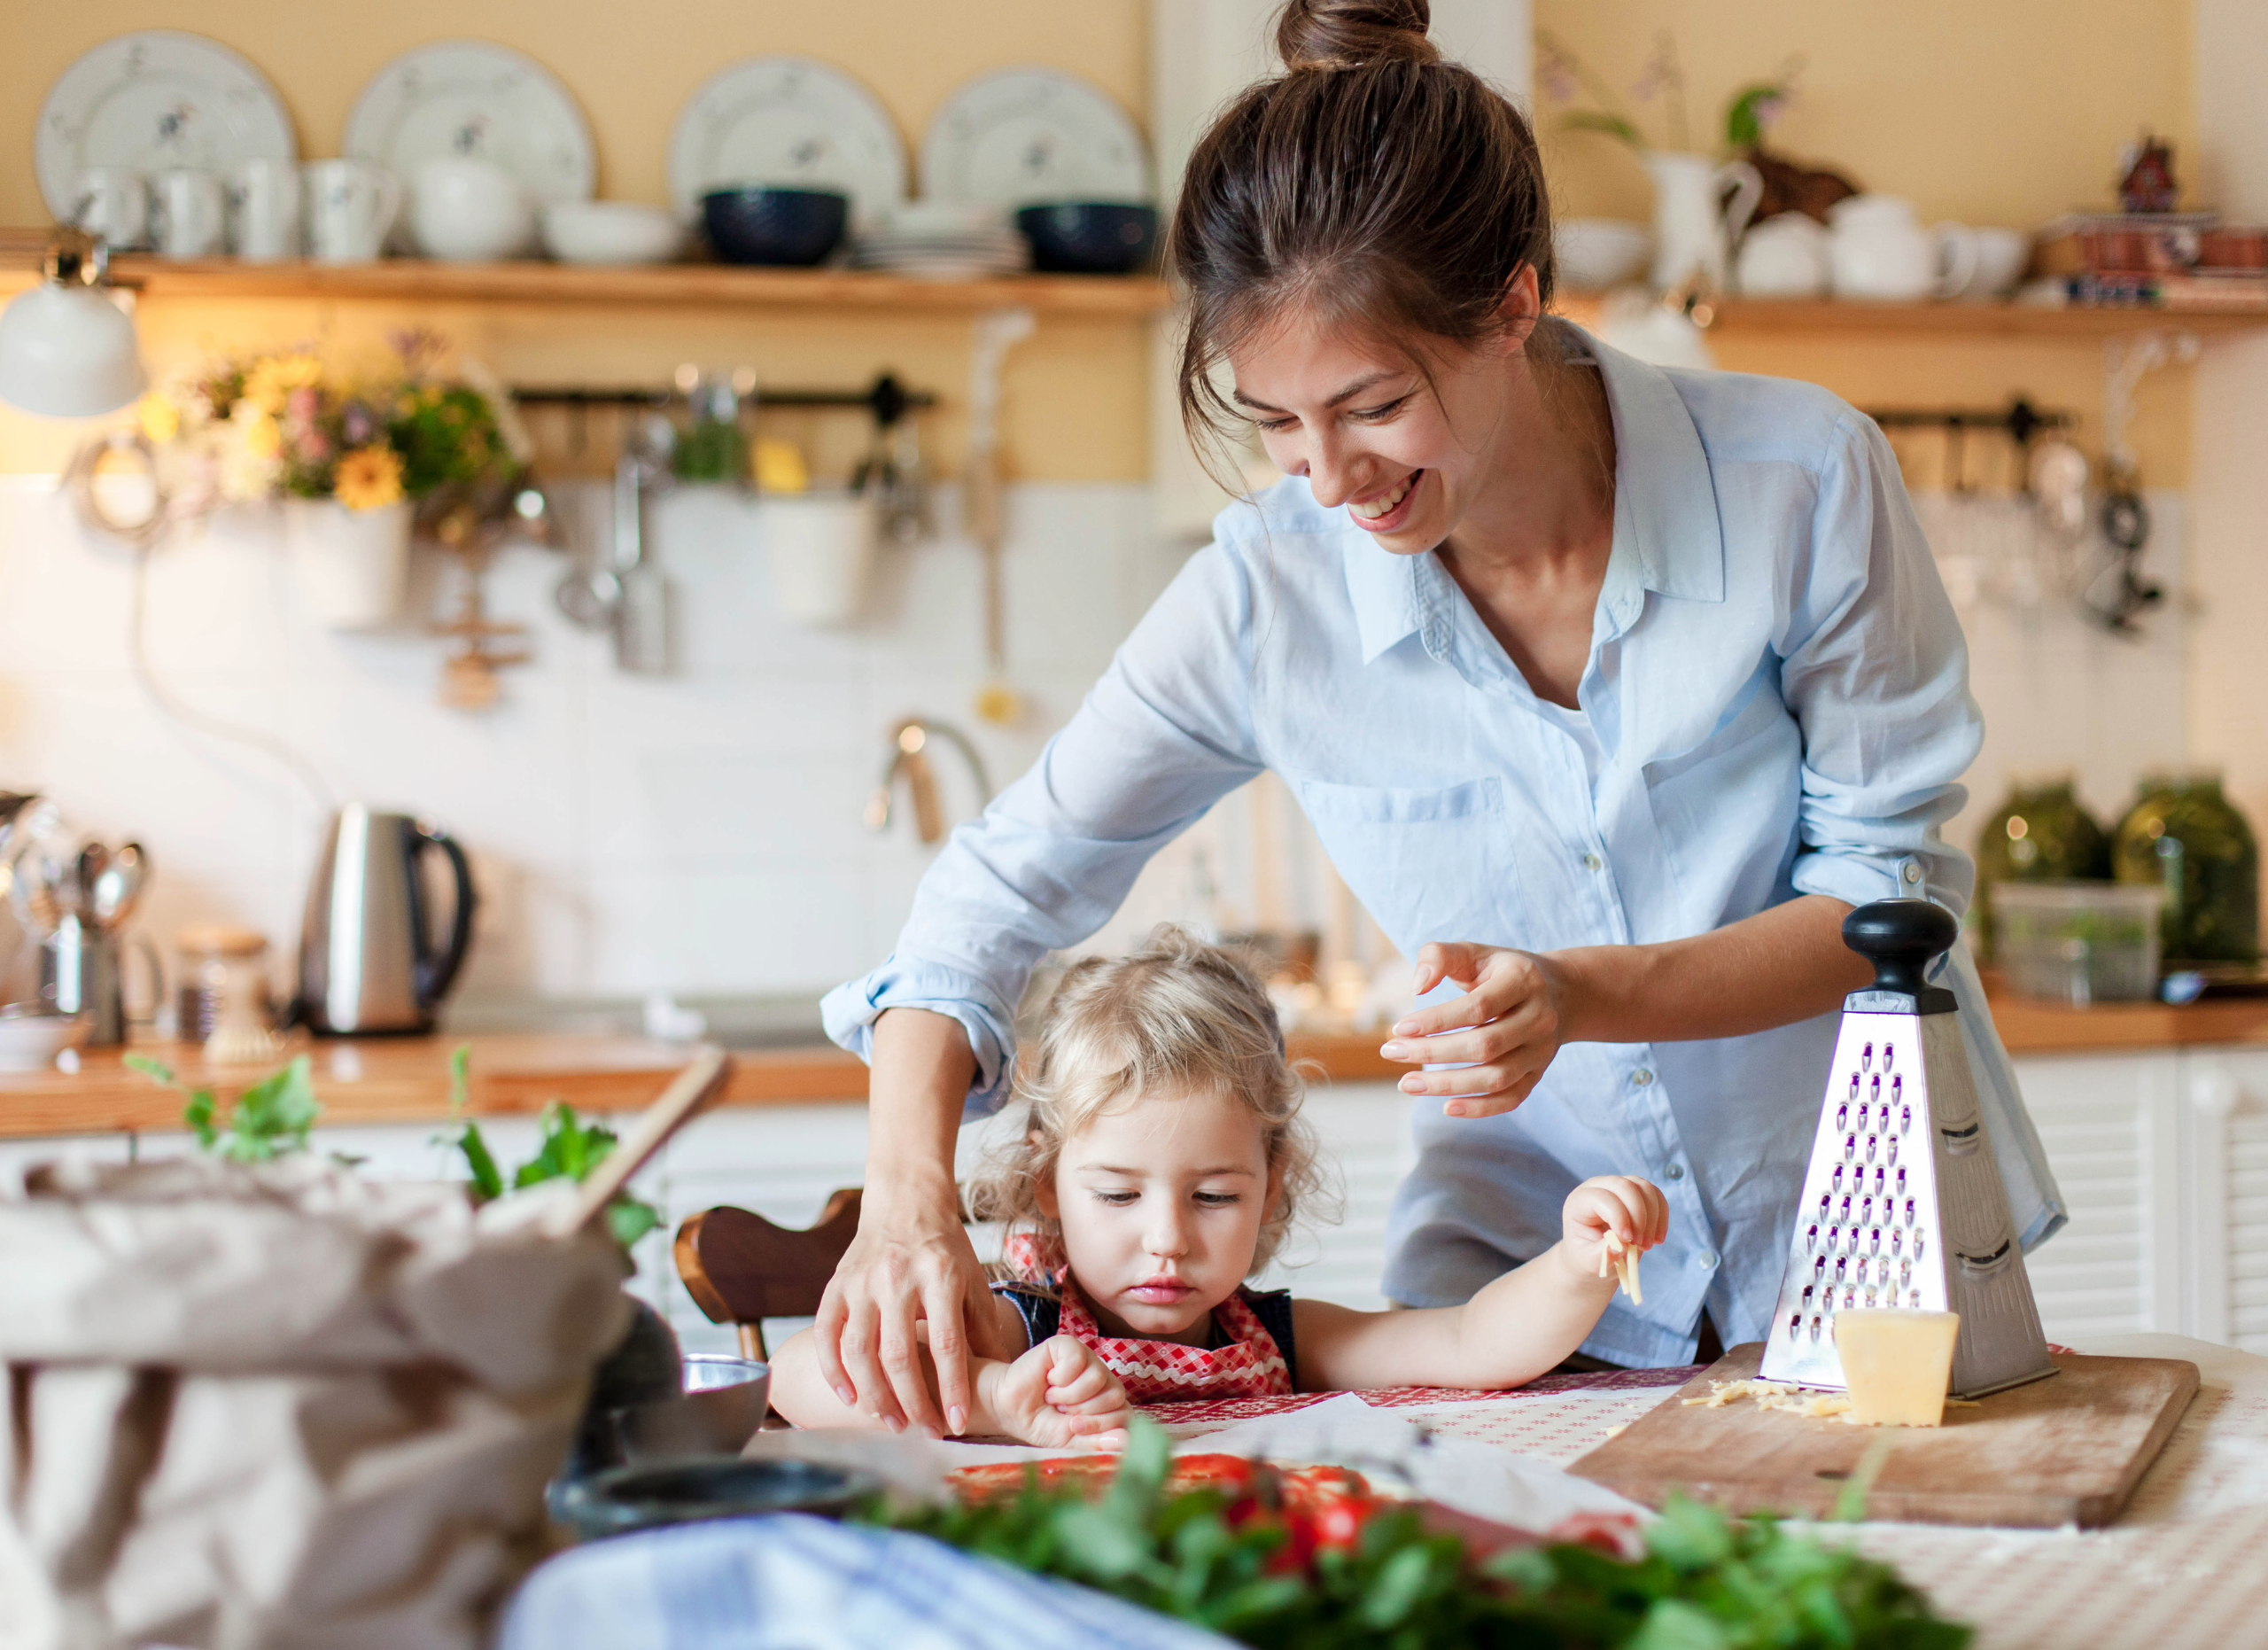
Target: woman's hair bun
(1340, 34)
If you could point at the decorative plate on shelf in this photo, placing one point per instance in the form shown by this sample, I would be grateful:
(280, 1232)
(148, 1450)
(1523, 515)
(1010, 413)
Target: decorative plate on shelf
(1022, 138)
(151, 101)
(792, 123)
(468, 97)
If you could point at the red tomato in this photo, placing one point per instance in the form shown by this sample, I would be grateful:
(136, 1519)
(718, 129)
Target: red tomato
(1338, 1523)
(1229, 1473)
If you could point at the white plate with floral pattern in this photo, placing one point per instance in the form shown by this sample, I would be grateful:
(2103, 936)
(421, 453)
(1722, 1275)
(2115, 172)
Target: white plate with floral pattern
(792, 123)
(1019, 137)
(469, 98)
(152, 101)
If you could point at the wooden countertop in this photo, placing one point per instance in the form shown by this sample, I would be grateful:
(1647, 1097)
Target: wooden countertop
(384, 1080)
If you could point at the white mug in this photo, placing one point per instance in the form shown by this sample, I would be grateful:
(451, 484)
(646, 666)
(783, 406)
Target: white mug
(351, 205)
(1785, 256)
(189, 213)
(2001, 255)
(115, 207)
(466, 210)
(264, 196)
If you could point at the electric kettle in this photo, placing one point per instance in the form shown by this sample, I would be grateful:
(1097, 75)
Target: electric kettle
(367, 963)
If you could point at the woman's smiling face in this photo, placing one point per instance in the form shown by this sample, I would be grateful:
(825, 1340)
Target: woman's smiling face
(1406, 451)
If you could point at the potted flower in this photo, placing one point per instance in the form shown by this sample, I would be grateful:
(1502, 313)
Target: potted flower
(348, 459)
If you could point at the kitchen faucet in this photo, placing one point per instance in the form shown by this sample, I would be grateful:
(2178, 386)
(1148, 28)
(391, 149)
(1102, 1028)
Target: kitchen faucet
(910, 757)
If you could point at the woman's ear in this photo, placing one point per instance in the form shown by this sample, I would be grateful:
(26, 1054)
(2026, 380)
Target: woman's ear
(1520, 310)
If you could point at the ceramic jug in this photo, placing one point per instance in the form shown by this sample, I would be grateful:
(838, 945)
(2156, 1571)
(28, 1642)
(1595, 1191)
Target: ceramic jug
(1694, 228)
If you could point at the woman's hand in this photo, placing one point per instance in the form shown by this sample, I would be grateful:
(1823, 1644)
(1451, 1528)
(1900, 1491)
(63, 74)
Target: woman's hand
(1503, 1031)
(1059, 1396)
(909, 1279)
(1609, 1214)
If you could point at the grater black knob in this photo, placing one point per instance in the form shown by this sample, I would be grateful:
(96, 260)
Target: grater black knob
(1901, 937)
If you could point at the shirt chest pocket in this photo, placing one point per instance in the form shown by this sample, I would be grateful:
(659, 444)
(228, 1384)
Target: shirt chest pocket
(1429, 865)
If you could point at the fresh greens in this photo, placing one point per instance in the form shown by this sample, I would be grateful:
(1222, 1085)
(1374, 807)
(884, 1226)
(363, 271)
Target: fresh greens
(1705, 1583)
(568, 1149)
(269, 1120)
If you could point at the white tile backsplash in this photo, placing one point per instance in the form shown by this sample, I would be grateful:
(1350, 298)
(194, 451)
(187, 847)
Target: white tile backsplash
(700, 832)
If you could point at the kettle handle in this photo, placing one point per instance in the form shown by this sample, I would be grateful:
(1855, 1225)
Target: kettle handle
(435, 973)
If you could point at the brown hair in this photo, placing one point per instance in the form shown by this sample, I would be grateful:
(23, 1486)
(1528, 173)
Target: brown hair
(1178, 1016)
(1374, 182)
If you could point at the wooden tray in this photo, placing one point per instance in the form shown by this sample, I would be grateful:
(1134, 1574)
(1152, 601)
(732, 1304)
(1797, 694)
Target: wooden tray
(2068, 1450)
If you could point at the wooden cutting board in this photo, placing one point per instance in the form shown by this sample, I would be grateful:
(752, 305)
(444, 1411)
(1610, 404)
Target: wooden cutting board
(2068, 1450)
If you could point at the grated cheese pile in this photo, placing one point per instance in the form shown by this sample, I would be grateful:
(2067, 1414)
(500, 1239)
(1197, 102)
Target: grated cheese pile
(1782, 1395)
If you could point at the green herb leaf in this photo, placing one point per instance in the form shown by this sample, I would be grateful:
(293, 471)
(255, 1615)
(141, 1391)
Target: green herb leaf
(156, 1070)
(1596, 121)
(629, 1220)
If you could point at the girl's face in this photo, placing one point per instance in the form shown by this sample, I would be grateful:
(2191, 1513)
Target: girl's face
(1161, 1203)
(1407, 457)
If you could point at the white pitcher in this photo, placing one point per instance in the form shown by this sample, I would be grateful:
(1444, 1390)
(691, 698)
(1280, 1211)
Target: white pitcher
(1694, 228)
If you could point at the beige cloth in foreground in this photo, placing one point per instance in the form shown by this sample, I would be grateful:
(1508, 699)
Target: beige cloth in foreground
(278, 1404)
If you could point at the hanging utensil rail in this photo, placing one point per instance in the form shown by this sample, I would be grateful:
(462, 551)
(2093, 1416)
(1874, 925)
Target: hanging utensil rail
(886, 399)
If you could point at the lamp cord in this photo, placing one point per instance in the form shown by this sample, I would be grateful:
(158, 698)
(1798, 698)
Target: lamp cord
(189, 717)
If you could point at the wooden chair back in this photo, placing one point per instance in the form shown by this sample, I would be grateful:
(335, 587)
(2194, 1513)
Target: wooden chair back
(740, 1268)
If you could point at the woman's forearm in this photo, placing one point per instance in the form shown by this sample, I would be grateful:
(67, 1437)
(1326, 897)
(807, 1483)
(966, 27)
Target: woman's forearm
(1773, 969)
(922, 1069)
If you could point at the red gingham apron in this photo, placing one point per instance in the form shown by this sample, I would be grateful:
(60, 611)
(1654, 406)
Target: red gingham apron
(1153, 1372)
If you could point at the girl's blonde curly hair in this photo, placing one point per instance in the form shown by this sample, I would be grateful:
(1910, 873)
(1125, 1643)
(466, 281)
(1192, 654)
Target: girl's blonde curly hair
(1175, 1017)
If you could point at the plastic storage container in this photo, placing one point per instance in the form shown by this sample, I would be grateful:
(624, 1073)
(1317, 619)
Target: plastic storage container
(2079, 942)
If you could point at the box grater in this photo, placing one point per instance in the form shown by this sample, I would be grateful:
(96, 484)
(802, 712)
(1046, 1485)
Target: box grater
(1902, 1205)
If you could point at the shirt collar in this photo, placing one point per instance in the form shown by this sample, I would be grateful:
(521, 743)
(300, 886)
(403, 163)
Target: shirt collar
(1666, 531)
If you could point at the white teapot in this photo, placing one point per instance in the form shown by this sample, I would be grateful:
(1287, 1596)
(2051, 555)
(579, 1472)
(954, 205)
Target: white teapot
(467, 210)
(1878, 250)
(1785, 256)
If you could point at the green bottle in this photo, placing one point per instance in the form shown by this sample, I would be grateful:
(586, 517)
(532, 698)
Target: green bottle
(2183, 833)
(2042, 833)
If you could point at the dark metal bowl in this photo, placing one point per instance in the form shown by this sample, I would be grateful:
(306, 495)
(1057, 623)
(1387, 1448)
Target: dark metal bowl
(692, 1491)
(774, 226)
(722, 1405)
(1090, 236)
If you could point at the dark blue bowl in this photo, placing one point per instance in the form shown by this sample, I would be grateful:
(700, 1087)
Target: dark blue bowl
(1090, 236)
(774, 226)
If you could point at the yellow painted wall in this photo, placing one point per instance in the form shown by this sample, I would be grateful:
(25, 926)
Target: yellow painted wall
(2000, 111)
(1075, 406)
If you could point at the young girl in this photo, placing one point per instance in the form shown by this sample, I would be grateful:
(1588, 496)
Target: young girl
(1162, 1160)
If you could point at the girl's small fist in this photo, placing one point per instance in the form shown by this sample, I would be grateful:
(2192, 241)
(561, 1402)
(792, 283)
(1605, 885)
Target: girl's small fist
(1612, 1213)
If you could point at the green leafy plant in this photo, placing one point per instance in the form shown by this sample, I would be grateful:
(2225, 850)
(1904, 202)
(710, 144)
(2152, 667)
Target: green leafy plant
(269, 1120)
(1215, 1558)
(568, 1149)
(1566, 78)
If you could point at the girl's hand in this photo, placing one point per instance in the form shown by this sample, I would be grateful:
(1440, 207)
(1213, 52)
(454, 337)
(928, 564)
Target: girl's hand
(1634, 1214)
(1060, 1396)
(1504, 1031)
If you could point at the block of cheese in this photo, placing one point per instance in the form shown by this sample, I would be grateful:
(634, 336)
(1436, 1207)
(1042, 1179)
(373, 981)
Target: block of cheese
(1897, 1365)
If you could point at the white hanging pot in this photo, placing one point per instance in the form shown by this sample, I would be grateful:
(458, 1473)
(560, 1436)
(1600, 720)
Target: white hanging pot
(819, 550)
(351, 567)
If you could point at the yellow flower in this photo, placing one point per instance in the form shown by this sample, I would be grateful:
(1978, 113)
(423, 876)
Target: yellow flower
(368, 477)
(274, 378)
(258, 432)
(160, 418)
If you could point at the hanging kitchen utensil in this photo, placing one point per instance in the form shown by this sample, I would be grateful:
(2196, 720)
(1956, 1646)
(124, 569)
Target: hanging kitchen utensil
(2119, 594)
(469, 675)
(642, 608)
(983, 508)
(1902, 1205)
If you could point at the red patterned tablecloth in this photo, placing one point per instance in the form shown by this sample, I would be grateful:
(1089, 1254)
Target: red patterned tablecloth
(1215, 1411)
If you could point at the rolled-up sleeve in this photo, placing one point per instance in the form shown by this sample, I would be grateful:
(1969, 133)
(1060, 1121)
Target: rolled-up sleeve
(1163, 736)
(1876, 671)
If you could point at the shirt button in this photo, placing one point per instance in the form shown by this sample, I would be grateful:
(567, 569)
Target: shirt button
(1911, 871)
(1675, 1172)
(1591, 862)
(1707, 1260)
(1642, 1076)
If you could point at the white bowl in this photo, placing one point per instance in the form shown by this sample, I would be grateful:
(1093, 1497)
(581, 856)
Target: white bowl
(610, 231)
(29, 1042)
(1593, 252)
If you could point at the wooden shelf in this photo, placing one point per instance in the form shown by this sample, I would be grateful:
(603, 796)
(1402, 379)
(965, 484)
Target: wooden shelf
(1745, 317)
(405, 280)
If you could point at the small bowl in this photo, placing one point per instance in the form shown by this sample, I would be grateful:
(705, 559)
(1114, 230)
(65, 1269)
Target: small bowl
(30, 1039)
(693, 1491)
(611, 232)
(1090, 236)
(721, 1408)
(1595, 252)
(782, 227)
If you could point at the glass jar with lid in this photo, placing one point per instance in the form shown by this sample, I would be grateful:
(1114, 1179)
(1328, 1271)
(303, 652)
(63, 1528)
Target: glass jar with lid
(2184, 836)
(224, 982)
(2041, 834)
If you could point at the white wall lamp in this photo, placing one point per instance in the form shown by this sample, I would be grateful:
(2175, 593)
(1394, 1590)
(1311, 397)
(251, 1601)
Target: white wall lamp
(66, 349)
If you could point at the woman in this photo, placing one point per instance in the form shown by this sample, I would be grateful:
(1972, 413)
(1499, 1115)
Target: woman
(1608, 690)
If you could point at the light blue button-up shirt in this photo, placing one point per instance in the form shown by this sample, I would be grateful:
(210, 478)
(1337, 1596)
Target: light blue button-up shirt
(1775, 702)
